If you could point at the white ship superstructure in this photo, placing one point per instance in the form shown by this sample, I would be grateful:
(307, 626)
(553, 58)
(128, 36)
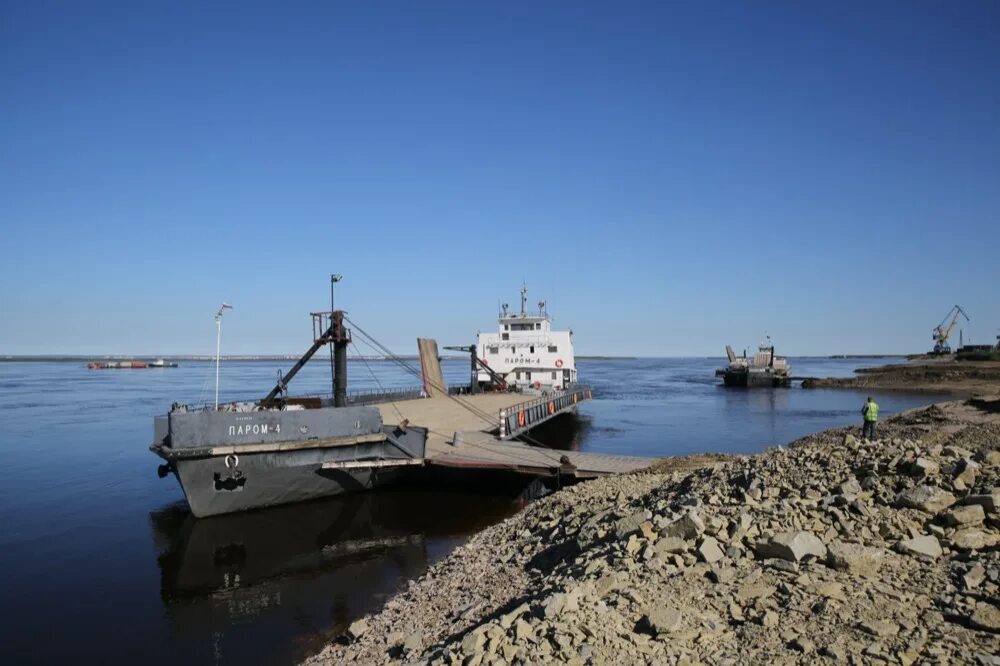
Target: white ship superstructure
(526, 352)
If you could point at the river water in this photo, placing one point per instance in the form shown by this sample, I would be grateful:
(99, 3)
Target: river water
(100, 560)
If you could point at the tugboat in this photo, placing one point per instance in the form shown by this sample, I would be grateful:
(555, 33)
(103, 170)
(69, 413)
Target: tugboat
(763, 370)
(280, 449)
(525, 354)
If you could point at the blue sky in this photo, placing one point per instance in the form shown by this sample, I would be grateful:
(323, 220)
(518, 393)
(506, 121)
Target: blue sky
(670, 177)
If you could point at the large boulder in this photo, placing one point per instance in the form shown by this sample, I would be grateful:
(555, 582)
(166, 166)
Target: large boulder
(924, 546)
(929, 499)
(855, 558)
(791, 546)
(663, 620)
(688, 526)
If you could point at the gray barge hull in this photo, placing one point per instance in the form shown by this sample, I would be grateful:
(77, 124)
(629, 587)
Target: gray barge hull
(235, 461)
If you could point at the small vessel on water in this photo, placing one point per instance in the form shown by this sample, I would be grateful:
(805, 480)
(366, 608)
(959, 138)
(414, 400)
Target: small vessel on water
(280, 449)
(525, 353)
(129, 365)
(765, 369)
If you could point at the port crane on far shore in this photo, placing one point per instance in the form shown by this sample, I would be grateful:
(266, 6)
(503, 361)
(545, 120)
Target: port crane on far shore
(941, 334)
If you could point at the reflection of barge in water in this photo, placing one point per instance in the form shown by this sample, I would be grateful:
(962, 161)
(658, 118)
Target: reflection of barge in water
(325, 563)
(763, 370)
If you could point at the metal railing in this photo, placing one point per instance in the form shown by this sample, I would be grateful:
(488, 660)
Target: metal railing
(367, 397)
(523, 416)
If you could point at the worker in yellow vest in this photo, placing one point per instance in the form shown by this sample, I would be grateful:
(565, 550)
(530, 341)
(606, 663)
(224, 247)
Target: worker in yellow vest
(870, 414)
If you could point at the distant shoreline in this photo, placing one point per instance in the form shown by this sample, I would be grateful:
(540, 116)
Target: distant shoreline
(86, 358)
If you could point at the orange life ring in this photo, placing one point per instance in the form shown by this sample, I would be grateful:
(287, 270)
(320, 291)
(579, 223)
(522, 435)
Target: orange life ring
(552, 408)
(574, 398)
(559, 363)
(485, 362)
(520, 418)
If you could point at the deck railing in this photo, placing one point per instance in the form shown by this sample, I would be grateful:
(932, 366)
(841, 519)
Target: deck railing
(523, 416)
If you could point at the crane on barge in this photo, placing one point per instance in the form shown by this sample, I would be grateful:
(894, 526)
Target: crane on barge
(941, 334)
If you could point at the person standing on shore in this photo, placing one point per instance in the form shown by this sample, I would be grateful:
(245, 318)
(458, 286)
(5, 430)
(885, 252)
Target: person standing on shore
(870, 414)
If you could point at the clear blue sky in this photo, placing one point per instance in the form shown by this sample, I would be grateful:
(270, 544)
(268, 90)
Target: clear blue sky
(671, 177)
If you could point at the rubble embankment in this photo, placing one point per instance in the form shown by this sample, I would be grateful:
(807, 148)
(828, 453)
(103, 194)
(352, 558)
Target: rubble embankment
(834, 547)
(935, 376)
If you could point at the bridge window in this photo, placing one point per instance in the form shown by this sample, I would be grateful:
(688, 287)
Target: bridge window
(538, 326)
(517, 375)
(505, 336)
(553, 349)
(494, 350)
(553, 375)
(527, 375)
(531, 349)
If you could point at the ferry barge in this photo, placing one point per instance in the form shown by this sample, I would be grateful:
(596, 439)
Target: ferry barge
(281, 449)
(763, 370)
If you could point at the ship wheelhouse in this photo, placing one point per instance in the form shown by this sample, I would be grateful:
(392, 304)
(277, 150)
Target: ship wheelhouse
(526, 352)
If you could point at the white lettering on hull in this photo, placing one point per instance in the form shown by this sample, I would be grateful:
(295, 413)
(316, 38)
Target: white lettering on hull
(253, 429)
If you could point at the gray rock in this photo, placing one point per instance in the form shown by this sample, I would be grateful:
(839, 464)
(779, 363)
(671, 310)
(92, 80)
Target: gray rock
(970, 538)
(850, 487)
(670, 545)
(522, 630)
(929, 499)
(709, 550)
(974, 577)
(969, 514)
(357, 629)
(791, 546)
(555, 604)
(722, 575)
(688, 526)
(663, 620)
(989, 501)
(880, 628)
(629, 524)
(986, 617)
(473, 643)
(803, 645)
(855, 558)
(413, 642)
(925, 467)
(927, 547)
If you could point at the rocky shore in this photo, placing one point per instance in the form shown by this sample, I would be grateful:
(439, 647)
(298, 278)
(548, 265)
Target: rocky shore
(830, 549)
(933, 376)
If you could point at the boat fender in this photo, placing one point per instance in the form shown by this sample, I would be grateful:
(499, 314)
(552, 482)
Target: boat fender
(520, 418)
(559, 363)
(552, 408)
(232, 461)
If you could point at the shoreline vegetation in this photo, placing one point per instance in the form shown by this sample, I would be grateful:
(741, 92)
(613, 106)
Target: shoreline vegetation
(831, 546)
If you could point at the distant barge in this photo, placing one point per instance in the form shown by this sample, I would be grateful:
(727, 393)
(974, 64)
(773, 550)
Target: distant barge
(128, 365)
(763, 370)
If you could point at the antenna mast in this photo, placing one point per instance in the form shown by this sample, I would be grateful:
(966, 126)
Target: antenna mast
(218, 347)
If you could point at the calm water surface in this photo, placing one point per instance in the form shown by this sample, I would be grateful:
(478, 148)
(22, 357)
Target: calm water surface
(100, 560)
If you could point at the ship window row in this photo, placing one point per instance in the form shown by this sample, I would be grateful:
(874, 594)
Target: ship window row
(531, 349)
(523, 327)
(527, 375)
